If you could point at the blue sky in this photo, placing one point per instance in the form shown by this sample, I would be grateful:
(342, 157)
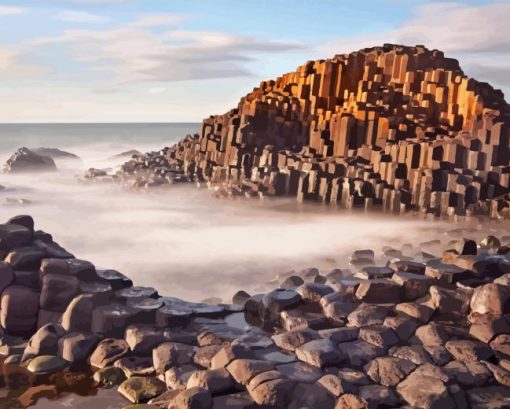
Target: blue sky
(142, 60)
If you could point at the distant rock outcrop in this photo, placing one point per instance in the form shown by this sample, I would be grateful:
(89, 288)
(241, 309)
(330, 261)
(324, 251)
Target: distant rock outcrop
(127, 154)
(55, 153)
(397, 127)
(26, 160)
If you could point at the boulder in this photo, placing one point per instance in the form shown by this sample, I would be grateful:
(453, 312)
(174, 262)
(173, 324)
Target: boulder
(314, 292)
(135, 366)
(311, 396)
(413, 285)
(143, 338)
(359, 353)
(320, 353)
(194, 398)
(13, 236)
(177, 378)
(230, 352)
(216, 381)
(350, 401)
(403, 326)
(203, 355)
(44, 341)
(343, 334)
(378, 335)
(169, 354)
(271, 389)
(379, 291)
(141, 389)
(493, 397)
(26, 160)
(78, 314)
(57, 291)
(389, 371)
(290, 340)
(469, 373)
(501, 346)
(468, 350)
(108, 351)
(276, 301)
(76, 347)
(111, 320)
(19, 309)
(6, 276)
(28, 257)
(486, 327)
(243, 370)
(491, 299)
(109, 377)
(425, 392)
(378, 395)
(411, 353)
(300, 372)
(450, 302)
(46, 364)
(367, 314)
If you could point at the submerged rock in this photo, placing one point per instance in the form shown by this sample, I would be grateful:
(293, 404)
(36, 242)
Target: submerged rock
(25, 160)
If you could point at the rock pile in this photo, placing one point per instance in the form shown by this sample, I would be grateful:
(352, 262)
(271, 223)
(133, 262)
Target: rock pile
(423, 332)
(26, 160)
(395, 127)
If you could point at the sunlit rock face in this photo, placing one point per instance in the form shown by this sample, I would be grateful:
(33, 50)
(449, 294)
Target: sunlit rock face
(393, 126)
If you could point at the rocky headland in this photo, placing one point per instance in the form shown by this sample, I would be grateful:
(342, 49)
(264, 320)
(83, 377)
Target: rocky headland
(392, 127)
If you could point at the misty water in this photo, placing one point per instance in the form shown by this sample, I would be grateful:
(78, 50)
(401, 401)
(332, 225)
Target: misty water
(180, 239)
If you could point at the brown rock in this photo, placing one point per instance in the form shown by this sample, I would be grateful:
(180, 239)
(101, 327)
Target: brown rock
(389, 371)
(491, 299)
(169, 354)
(320, 353)
(216, 381)
(350, 401)
(141, 389)
(243, 370)
(290, 340)
(467, 350)
(108, 351)
(425, 392)
(379, 291)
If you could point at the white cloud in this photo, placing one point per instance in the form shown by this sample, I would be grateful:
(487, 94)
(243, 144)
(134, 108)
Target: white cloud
(135, 54)
(81, 17)
(157, 20)
(473, 34)
(6, 11)
(12, 65)
(156, 90)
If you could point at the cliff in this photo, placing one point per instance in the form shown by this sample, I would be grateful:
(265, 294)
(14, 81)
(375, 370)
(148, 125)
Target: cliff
(393, 126)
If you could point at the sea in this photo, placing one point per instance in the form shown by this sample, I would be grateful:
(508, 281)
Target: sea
(181, 239)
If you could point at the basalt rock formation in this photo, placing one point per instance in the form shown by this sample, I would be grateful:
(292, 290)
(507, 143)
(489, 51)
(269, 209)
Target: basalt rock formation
(422, 326)
(393, 126)
(26, 160)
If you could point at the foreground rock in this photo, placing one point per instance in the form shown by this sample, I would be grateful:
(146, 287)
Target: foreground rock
(25, 160)
(425, 342)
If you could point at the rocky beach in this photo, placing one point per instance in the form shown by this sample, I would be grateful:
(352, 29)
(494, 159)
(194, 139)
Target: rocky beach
(367, 265)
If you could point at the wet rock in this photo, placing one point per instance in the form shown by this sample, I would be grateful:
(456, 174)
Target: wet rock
(28, 257)
(112, 320)
(108, 351)
(292, 282)
(314, 292)
(6, 276)
(46, 364)
(230, 352)
(425, 392)
(378, 291)
(320, 353)
(491, 299)
(141, 389)
(275, 302)
(169, 317)
(194, 398)
(290, 340)
(450, 302)
(109, 377)
(177, 378)
(367, 314)
(44, 341)
(468, 350)
(389, 371)
(116, 280)
(350, 401)
(377, 395)
(486, 327)
(135, 293)
(13, 236)
(448, 273)
(340, 334)
(23, 220)
(490, 397)
(135, 366)
(78, 314)
(297, 319)
(271, 389)
(77, 347)
(169, 354)
(19, 308)
(216, 381)
(420, 312)
(57, 291)
(26, 160)
(300, 372)
(243, 370)
(501, 346)
(470, 373)
(403, 326)
(379, 335)
(203, 355)
(143, 338)
(413, 285)
(240, 297)
(311, 396)
(359, 353)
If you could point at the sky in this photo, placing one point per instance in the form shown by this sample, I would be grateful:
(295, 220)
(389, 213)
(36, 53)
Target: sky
(181, 61)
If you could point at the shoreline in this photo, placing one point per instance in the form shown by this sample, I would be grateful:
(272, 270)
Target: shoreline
(434, 315)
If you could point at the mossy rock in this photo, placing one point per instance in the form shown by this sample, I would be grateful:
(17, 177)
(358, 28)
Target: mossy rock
(109, 377)
(47, 364)
(141, 389)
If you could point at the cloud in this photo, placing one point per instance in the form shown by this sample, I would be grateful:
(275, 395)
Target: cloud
(13, 66)
(156, 90)
(135, 54)
(6, 11)
(158, 20)
(81, 17)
